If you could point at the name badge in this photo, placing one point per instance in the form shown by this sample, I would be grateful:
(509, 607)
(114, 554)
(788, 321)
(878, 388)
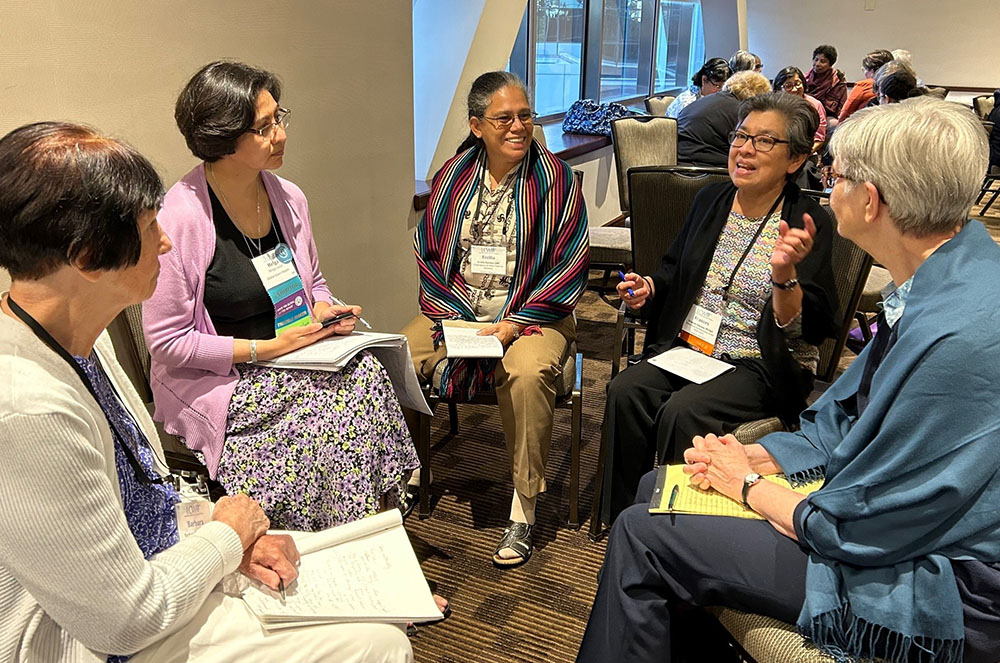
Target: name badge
(489, 259)
(701, 328)
(276, 270)
(192, 514)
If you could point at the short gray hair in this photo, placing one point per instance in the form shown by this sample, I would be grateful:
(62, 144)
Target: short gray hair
(746, 84)
(925, 156)
(801, 117)
(743, 61)
(891, 67)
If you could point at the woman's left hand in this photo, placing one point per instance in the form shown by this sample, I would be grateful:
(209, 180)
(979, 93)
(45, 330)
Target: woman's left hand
(343, 327)
(503, 330)
(719, 463)
(793, 245)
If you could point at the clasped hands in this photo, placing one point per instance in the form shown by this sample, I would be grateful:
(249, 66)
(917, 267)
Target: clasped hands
(718, 462)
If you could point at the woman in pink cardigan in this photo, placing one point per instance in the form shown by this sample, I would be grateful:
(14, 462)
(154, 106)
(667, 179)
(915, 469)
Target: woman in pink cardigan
(315, 448)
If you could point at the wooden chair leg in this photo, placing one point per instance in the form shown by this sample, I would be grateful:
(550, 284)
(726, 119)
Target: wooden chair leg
(595, 511)
(424, 454)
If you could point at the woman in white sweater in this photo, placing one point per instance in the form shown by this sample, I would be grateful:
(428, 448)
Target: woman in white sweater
(91, 565)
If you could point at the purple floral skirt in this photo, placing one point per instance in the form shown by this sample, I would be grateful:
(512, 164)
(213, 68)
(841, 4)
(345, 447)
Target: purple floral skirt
(316, 448)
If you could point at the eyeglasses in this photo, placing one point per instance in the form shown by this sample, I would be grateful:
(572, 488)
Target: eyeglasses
(280, 120)
(762, 143)
(791, 86)
(504, 122)
(831, 177)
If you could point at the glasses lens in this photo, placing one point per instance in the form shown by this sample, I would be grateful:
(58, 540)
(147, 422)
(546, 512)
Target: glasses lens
(526, 118)
(763, 143)
(738, 138)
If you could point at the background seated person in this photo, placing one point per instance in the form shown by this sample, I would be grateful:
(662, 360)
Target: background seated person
(823, 83)
(504, 189)
(896, 556)
(754, 255)
(994, 117)
(745, 61)
(91, 565)
(898, 86)
(791, 80)
(888, 68)
(703, 128)
(707, 80)
(315, 448)
(864, 90)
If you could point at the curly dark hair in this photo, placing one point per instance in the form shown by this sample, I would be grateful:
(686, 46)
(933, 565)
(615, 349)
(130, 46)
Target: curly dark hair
(827, 51)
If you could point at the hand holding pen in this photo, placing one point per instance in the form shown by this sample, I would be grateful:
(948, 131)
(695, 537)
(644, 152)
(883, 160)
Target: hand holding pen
(633, 289)
(340, 302)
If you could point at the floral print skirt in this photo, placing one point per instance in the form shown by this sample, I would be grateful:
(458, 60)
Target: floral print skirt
(316, 448)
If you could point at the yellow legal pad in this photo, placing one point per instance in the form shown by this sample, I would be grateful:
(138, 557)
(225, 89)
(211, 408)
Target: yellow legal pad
(707, 502)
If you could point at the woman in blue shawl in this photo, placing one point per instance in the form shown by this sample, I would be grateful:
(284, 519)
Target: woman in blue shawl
(896, 555)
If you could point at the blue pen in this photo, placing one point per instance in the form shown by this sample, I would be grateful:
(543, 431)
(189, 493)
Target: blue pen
(621, 275)
(340, 302)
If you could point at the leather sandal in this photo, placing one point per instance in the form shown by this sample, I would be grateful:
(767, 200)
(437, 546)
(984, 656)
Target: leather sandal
(517, 537)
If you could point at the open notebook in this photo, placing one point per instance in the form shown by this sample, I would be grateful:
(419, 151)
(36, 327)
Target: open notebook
(707, 502)
(365, 571)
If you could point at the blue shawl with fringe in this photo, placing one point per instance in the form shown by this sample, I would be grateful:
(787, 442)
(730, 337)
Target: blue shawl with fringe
(914, 481)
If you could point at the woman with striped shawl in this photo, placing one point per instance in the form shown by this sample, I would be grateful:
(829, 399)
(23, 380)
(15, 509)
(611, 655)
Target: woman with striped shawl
(504, 190)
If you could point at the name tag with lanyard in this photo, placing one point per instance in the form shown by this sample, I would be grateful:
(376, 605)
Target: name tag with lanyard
(491, 259)
(700, 328)
(276, 269)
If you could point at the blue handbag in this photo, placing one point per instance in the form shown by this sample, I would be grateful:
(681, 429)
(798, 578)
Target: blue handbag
(586, 116)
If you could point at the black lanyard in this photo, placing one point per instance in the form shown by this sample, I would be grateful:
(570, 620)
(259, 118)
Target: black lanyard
(746, 251)
(479, 199)
(140, 472)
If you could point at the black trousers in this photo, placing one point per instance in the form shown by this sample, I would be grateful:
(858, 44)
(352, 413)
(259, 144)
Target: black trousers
(656, 562)
(651, 412)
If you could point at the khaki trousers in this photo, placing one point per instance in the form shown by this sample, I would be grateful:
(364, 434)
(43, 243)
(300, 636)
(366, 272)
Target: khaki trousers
(525, 384)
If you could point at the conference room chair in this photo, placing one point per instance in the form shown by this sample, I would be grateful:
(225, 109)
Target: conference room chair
(982, 105)
(569, 396)
(658, 104)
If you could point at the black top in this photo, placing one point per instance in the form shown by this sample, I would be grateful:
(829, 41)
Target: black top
(235, 297)
(686, 265)
(703, 130)
(994, 117)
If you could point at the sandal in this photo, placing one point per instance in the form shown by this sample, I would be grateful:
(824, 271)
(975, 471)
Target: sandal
(517, 537)
(408, 499)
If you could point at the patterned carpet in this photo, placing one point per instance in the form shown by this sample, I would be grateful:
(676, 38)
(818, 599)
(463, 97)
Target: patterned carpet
(536, 612)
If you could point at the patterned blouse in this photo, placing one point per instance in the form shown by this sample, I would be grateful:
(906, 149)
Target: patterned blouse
(750, 289)
(149, 508)
(494, 226)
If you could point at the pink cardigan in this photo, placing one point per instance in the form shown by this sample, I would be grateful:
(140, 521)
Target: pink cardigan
(192, 373)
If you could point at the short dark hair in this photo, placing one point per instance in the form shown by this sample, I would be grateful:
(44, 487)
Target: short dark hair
(219, 104)
(827, 51)
(70, 195)
(784, 75)
(801, 117)
(876, 59)
(716, 69)
(900, 85)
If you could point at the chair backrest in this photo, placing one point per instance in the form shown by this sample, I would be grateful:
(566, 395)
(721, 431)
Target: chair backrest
(658, 104)
(643, 140)
(851, 265)
(538, 134)
(983, 104)
(661, 197)
(939, 92)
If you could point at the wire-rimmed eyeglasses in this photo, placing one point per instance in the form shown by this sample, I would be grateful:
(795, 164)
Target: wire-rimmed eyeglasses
(280, 120)
(504, 122)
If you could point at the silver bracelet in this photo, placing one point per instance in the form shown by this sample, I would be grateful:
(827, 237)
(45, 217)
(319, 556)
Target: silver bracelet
(253, 351)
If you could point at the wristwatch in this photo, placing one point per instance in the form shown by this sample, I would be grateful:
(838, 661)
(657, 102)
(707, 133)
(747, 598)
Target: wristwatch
(748, 481)
(787, 285)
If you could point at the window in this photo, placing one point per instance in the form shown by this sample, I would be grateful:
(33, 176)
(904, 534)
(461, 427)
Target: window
(627, 50)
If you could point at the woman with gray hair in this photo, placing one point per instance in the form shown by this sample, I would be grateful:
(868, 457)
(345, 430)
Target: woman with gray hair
(745, 61)
(897, 555)
(703, 128)
(748, 282)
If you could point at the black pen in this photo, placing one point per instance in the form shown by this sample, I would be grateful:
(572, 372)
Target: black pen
(673, 497)
(281, 588)
(337, 318)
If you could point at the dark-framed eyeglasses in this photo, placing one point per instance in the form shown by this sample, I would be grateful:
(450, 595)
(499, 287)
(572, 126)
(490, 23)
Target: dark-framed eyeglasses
(831, 177)
(280, 120)
(504, 122)
(761, 143)
(792, 86)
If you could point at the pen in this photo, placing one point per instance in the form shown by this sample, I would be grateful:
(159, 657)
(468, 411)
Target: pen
(621, 275)
(281, 586)
(673, 496)
(340, 302)
(337, 318)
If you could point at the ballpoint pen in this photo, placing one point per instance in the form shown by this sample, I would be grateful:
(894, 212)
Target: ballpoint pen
(340, 302)
(621, 275)
(673, 496)
(281, 587)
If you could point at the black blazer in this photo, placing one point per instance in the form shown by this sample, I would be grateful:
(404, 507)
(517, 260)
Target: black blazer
(685, 267)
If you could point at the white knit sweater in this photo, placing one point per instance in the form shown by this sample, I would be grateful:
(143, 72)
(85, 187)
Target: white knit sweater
(73, 583)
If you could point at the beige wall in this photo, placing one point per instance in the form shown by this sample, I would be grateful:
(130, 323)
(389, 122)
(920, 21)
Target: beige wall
(950, 41)
(346, 66)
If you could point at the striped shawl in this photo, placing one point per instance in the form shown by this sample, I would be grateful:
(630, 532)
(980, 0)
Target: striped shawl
(552, 248)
